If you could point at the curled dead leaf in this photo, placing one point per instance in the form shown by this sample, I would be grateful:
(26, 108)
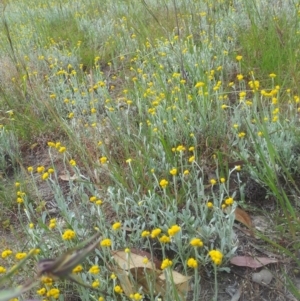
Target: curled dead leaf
(250, 262)
(68, 177)
(243, 217)
(133, 273)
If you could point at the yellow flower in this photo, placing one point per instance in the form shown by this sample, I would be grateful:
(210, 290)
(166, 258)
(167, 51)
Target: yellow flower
(100, 299)
(118, 289)
(68, 235)
(238, 167)
(241, 134)
(94, 269)
(116, 226)
(31, 225)
(173, 230)
(216, 256)
(45, 176)
(77, 269)
(222, 180)
(47, 280)
(163, 183)
(50, 170)
(145, 260)
(199, 84)
(127, 250)
(210, 205)
(113, 276)
(2, 270)
(155, 232)
(72, 162)
(239, 76)
(191, 159)
(6, 253)
(136, 297)
(30, 169)
(96, 283)
(238, 57)
(196, 242)
(165, 239)
(54, 292)
(272, 75)
(20, 256)
(180, 148)
(62, 149)
(260, 134)
(103, 160)
(213, 182)
(173, 171)
(145, 233)
(93, 198)
(229, 201)
(192, 263)
(186, 172)
(41, 291)
(128, 161)
(166, 263)
(20, 200)
(52, 223)
(40, 169)
(106, 242)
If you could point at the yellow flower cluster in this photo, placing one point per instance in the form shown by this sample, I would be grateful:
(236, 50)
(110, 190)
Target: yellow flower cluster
(166, 263)
(68, 235)
(173, 230)
(54, 293)
(94, 269)
(106, 242)
(196, 242)
(52, 223)
(136, 297)
(20, 256)
(118, 289)
(116, 226)
(216, 256)
(77, 269)
(192, 263)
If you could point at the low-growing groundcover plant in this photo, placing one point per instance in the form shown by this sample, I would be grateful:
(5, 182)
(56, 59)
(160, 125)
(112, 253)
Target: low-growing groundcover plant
(141, 122)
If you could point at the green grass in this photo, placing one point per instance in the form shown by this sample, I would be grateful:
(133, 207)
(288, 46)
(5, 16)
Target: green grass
(135, 113)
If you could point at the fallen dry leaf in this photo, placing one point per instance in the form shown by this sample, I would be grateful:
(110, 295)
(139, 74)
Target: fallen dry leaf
(149, 280)
(131, 260)
(243, 217)
(133, 273)
(68, 178)
(181, 282)
(250, 262)
(124, 281)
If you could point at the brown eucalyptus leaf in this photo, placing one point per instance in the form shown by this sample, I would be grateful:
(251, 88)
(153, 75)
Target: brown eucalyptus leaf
(243, 217)
(132, 260)
(181, 282)
(250, 262)
(149, 280)
(125, 283)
